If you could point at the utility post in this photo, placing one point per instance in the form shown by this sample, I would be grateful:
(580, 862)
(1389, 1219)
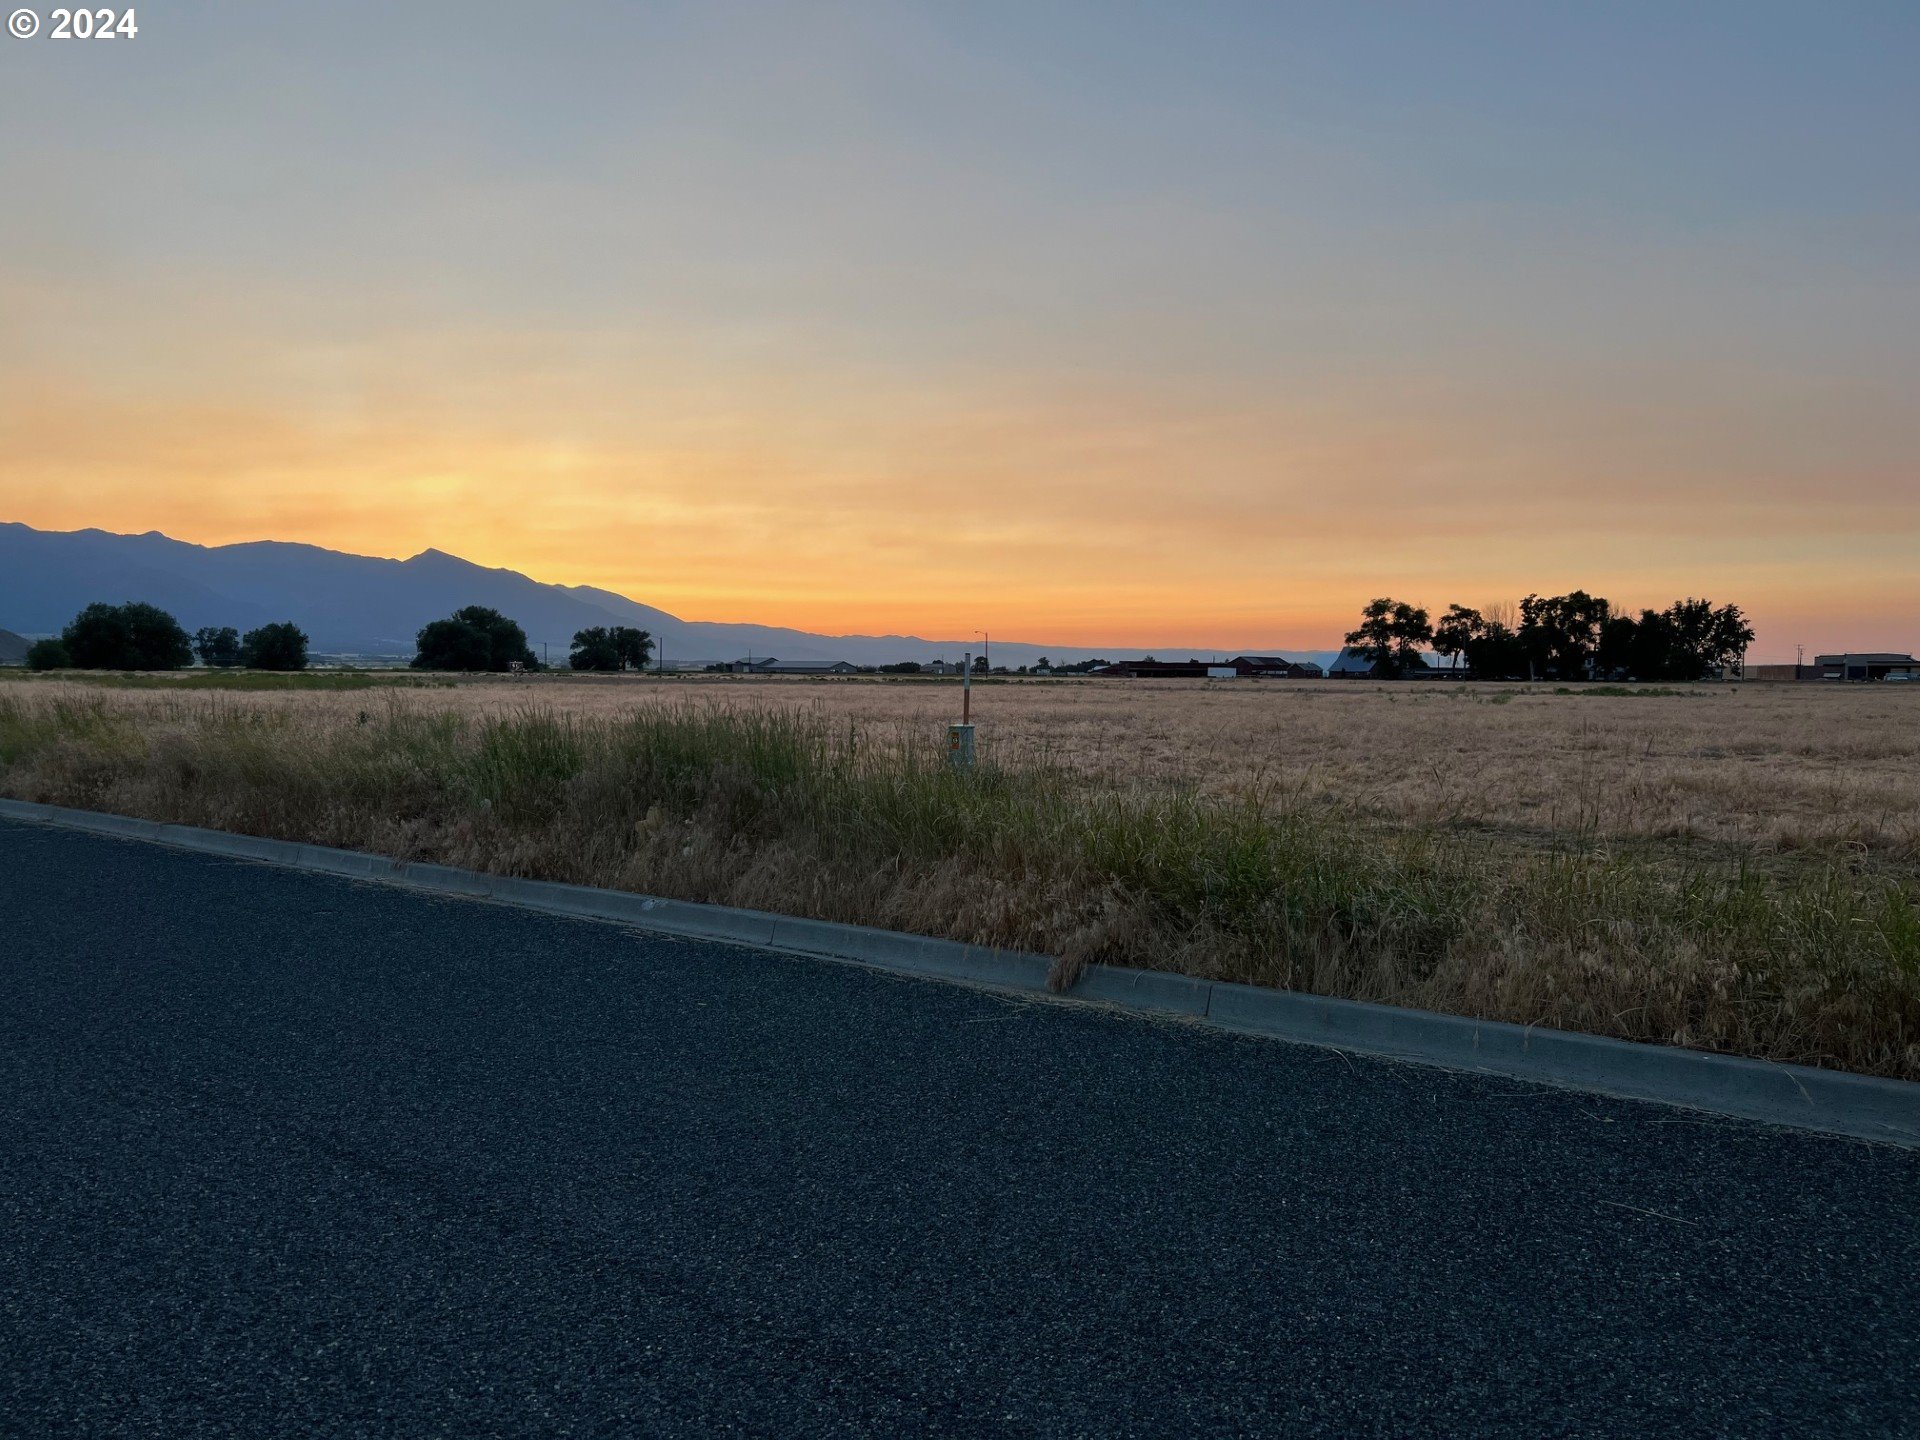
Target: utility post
(960, 737)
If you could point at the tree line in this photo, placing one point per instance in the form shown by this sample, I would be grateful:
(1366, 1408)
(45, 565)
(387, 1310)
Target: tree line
(478, 638)
(1576, 636)
(138, 636)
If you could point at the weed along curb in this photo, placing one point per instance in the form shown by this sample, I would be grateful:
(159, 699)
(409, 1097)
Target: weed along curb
(1861, 1106)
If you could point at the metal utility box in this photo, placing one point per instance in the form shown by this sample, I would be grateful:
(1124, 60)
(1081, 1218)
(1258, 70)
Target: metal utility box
(960, 747)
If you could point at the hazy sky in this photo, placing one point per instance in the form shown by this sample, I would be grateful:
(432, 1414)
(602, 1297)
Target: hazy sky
(1160, 322)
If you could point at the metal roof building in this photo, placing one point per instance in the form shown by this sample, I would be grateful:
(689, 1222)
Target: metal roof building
(1865, 665)
(770, 666)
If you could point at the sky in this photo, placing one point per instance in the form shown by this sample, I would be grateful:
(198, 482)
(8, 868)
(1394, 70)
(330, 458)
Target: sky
(1072, 322)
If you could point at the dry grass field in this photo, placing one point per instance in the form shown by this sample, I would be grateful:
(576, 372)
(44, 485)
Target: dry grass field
(1736, 867)
(1782, 767)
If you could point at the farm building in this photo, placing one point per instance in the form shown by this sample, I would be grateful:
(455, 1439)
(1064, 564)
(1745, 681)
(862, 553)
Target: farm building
(940, 667)
(794, 667)
(1272, 667)
(1275, 667)
(1867, 665)
(1158, 669)
(1350, 664)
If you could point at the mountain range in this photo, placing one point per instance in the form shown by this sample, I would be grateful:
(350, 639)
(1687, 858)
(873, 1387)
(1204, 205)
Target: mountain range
(366, 606)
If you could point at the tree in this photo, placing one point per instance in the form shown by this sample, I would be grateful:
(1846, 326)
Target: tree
(219, 648)
(1561, 633)
(979, 664)
(594, 649)
(610, 648)
(48, 655)
(1705, 641)
(134, 636)
(472, 638)
(281, 646)
(1689, 640)
(634, 647)
(901, 667)
(1617, 655)
(1728, 641)
(1495, 653)
(1457, 630)
(1391, 634)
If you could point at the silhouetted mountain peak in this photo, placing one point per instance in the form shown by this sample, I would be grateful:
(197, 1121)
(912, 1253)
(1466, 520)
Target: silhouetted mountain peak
(368, 605)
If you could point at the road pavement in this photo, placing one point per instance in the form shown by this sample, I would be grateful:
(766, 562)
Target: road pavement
(284, 1154)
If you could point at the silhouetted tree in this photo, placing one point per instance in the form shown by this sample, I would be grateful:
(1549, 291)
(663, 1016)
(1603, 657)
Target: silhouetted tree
(634, 647)
(1689, 640)
(979, 664)
(1616, 656)
(281, 646)
(901, 667)
(593, 649)
(134, 636)
(473, 638)
(1560, 633)
(1578, 636)
(48, 655)
(610, 648)
(1391, 634)
(219, 648)
(1456, 630)
(1706, 641)
(1494, 652)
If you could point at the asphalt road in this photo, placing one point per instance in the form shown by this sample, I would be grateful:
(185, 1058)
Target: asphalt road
(281, 1154)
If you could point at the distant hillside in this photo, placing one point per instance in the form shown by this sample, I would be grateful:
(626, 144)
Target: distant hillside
(361, 605)
(13, 648)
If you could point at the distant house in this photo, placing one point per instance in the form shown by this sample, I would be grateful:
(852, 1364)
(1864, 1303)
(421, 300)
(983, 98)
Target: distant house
(940, 667)
(1275, 667)
(1351, 664)
(807, 667)
(1157, 669)
(1270, 667)
(751, 666)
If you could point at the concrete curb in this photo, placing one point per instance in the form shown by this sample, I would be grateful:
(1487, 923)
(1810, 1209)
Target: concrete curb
(1831, 1101)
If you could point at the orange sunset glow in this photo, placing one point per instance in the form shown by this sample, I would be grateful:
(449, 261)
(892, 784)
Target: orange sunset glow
(930, 323)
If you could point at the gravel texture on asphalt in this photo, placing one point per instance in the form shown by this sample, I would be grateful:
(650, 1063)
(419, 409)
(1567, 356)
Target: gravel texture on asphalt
(284, 1154)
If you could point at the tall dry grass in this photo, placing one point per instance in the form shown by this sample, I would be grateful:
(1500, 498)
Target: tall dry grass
(1775, 769)
(805, 811)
